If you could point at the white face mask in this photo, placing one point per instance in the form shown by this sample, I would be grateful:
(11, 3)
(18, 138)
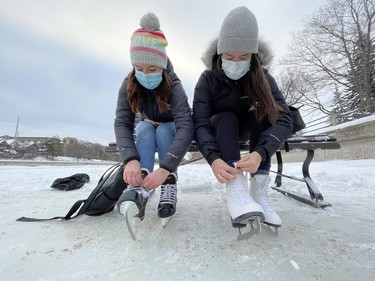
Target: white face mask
(235, 69)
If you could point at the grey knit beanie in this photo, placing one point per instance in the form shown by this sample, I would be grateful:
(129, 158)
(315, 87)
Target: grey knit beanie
(239, 32)
(148, 43)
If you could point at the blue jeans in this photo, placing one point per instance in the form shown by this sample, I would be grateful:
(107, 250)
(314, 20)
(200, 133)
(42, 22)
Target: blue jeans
(151, 137)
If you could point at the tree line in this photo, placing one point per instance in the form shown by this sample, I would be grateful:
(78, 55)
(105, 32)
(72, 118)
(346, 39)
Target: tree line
(54, 147)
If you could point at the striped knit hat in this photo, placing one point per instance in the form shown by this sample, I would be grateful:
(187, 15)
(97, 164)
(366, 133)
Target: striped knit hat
(148, 43)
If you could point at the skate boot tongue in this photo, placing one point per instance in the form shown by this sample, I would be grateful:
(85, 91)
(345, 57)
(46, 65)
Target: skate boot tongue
(239, 194)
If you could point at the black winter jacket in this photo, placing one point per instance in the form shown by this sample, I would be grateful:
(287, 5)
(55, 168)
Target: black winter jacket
(180, 113)
(215, 93)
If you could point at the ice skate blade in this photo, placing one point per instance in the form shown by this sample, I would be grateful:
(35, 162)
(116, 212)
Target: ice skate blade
(130, 210)
(271, 229)
(165, 221)
(254, 228)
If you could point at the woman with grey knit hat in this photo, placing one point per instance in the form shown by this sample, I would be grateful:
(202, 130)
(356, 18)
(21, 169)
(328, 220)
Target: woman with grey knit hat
(237, 99)
(153, 91)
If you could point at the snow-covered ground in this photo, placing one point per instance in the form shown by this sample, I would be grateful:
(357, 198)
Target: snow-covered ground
(337, 243)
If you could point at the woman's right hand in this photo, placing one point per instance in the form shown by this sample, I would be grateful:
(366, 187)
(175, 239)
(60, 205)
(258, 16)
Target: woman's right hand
(223, 172)
(132, 173)
(250, 162)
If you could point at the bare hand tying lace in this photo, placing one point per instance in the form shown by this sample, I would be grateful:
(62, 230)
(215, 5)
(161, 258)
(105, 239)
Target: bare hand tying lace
(223, 172)
(250, 162)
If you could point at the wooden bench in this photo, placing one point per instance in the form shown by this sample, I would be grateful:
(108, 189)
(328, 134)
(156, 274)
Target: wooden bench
(309, 143)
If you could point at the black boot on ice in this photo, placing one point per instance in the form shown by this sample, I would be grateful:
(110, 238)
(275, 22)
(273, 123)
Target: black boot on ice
(168, 197)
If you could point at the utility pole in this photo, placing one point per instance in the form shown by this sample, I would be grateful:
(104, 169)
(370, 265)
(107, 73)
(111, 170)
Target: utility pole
(16, 133)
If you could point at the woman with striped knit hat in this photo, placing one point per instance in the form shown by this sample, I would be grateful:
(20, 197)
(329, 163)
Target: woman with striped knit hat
(152, 91)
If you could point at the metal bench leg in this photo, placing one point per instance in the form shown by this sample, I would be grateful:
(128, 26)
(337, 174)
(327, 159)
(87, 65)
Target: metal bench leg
(314, 191)
(278, 179)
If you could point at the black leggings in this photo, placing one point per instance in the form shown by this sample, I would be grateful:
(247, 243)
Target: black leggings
(230, 128)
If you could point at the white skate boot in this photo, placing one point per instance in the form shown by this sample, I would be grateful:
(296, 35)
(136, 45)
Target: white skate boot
(259, 192)
(242, 208)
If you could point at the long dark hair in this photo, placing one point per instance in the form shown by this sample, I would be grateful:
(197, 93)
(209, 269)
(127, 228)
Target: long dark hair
(255, 85)
(162, 93)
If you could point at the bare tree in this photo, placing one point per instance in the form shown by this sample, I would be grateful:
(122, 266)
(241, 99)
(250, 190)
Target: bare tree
(300, 89)
(323, 57)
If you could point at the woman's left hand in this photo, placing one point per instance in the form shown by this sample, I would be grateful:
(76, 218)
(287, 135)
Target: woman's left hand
(155, 179)
(250, 162)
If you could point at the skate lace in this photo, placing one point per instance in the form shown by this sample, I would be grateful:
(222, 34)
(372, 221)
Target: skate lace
(168, 194)
(144, 192)
(239, 191)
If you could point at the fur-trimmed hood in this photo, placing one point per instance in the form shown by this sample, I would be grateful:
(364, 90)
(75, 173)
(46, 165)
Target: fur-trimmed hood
(210, 54)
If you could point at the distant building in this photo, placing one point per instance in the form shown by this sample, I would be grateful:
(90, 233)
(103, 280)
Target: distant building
(37, 140)
(69, 140)
(111, 148)
(29, 151)
(41, 140)
(4, 144)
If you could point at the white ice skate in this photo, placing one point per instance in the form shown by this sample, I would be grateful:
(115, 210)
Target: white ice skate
(259, 185)
(242, 208)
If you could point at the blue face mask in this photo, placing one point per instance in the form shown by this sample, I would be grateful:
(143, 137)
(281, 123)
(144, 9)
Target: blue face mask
(150, 80)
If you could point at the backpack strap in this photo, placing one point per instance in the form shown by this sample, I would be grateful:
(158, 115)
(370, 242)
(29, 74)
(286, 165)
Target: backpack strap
(81, 205)
(68, 216)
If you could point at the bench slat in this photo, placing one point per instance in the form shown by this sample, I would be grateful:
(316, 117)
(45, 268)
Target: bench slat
(295, 142)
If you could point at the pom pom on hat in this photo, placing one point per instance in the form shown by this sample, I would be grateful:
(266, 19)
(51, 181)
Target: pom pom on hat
(239, 32)
(148, 43)
(150, 22)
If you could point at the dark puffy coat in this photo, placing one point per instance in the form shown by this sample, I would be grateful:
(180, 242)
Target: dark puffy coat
(180, 113)
(214, 93)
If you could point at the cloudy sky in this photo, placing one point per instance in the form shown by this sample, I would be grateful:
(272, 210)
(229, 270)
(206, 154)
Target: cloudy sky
(62, 62)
